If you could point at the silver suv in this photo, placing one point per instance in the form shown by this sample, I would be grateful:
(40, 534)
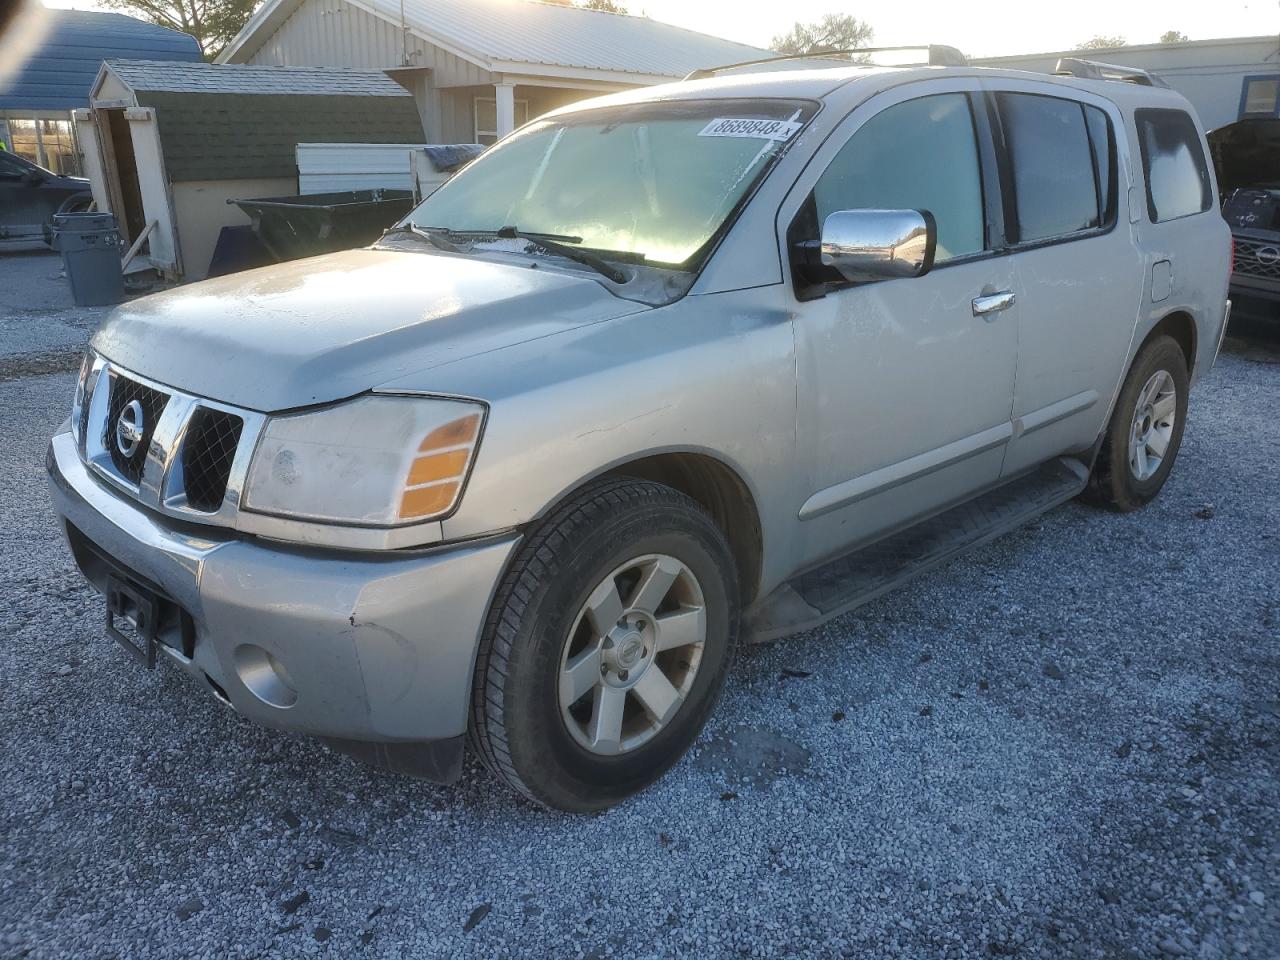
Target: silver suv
(659, 372)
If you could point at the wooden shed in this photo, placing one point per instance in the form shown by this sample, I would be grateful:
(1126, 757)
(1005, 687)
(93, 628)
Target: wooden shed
(166, 145)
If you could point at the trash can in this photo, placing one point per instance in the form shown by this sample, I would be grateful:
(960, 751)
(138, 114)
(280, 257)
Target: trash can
(315, 223)
(90, 248)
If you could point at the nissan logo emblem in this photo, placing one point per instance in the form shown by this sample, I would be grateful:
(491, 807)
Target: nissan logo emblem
(1268, 255)
(129, 428)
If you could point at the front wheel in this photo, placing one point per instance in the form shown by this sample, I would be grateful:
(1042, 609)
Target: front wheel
(606, 646)
(1145, 431)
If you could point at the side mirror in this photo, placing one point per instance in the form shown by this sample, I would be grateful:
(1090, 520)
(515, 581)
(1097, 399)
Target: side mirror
(879, 244)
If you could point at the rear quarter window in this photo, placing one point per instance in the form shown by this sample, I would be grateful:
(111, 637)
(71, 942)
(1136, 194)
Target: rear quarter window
(1173, 164)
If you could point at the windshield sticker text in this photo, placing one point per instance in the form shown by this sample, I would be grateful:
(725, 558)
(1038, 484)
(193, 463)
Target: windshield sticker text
(756, 129)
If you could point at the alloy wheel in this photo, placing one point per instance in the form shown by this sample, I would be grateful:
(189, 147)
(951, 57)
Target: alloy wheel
(632, 654)
(1151, 431)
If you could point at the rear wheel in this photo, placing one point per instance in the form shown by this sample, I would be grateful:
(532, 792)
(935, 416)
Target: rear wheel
(606, 646)
(1145, 432)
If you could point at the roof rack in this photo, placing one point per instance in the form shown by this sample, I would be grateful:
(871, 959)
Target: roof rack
(1093, 70)
(940, 55)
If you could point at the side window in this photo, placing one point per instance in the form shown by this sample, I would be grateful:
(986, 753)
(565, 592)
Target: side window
(1103, 141)
(919, 155)
(1056, 168)
(1173, 164)
(10, 167)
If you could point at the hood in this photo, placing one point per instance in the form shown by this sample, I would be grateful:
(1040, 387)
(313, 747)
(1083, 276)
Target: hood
(330, 327)
(1246, 154)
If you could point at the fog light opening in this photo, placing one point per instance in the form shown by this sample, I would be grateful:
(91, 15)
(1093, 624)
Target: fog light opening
(265, 676)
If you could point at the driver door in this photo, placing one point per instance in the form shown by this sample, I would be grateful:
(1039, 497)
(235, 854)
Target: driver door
(20, 201)
(905, 385)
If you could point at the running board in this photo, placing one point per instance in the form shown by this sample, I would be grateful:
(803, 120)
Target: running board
(865, 574)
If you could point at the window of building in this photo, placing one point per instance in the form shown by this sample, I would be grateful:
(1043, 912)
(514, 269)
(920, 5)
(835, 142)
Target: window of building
(486, 110)
(917, 155)
(1261, 97)
(46, 142)
(58, 141)
(1057, 171)
(23, 139)
(1173, 162)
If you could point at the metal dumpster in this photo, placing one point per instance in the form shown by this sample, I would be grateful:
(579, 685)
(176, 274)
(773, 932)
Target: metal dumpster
(303, 226)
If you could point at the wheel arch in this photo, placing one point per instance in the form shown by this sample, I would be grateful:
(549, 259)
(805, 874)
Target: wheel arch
(1179, 325)
(710, 481)
(722, 492)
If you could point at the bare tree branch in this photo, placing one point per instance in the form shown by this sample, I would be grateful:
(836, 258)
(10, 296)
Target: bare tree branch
(212, 22)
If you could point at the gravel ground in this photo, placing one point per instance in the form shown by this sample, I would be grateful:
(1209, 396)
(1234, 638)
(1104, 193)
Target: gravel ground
(1065, 745)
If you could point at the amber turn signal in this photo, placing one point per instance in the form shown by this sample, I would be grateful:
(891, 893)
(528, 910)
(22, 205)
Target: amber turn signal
(436, 474)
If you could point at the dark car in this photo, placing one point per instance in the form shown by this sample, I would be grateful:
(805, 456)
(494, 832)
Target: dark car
(30, 195)
(1247, 156)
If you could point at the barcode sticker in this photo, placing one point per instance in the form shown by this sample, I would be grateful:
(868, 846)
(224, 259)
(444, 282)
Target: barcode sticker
(753, 129)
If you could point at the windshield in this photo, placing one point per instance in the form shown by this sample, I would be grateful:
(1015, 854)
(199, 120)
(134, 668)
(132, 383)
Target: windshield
(651, 182)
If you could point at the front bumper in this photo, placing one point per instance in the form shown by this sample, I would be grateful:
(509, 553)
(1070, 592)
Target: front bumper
(358, 648)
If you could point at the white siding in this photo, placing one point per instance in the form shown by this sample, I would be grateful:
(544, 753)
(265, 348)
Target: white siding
(1209, 73)
(335, 33)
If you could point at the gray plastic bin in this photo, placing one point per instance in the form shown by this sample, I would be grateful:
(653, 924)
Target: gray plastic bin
(90, 248)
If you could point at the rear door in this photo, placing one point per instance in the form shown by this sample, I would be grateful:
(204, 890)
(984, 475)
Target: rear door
(1181, 229)
(1079, 274)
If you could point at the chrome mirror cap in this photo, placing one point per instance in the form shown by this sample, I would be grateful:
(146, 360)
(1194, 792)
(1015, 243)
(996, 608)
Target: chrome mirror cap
(867, 245)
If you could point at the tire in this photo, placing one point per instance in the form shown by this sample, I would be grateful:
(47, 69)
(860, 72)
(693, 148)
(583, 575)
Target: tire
(1116, 481)
(544, 621)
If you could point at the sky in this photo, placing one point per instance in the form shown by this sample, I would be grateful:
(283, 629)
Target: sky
(978, 27)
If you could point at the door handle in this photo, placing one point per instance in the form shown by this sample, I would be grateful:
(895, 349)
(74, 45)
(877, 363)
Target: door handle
(992, 304)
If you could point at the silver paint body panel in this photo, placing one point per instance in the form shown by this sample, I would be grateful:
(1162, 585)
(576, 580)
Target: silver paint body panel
(350, 629)
(846, 417)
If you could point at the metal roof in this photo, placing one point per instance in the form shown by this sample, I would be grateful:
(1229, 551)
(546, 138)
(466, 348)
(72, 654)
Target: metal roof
(499, 34)
(161, 77)
(61, 72)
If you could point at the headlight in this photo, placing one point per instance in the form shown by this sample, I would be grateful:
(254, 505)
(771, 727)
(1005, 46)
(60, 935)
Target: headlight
(378, 461)
(77, 404)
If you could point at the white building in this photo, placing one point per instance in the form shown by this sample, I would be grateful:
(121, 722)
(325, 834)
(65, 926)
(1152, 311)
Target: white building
(480, 68)
(1225, 80)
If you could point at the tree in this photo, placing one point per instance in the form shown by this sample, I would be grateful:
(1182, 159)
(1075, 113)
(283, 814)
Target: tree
(605, 6)
(835, 31)
(1174, 36)
(1102, 43)
(212, 22)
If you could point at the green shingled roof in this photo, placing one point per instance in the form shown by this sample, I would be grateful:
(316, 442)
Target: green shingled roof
(234, 136)
(169, 77)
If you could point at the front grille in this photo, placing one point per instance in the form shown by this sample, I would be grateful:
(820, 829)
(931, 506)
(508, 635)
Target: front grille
(207, 453)
(152, 403)
(1248, 263)
(186, 444)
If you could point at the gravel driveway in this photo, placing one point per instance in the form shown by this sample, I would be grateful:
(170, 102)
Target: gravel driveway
(1066, 744)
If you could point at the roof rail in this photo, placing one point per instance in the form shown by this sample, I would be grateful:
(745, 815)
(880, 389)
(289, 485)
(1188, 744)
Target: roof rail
(1093, 70)
(940, 55)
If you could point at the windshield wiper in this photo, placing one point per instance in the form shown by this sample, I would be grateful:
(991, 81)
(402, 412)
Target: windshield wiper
(553, 243)
(436, 236)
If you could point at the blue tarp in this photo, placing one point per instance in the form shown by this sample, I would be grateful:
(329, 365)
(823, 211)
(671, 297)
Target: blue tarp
(447, 157)
(59, 74)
